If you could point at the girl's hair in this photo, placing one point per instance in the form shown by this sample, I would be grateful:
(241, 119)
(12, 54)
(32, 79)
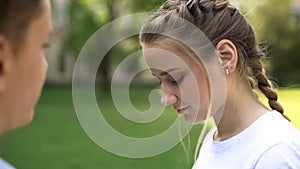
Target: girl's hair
(218, 20)
(15, 18)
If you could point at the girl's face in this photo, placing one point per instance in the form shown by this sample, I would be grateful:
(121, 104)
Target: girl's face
(183, 82)
(25, 71)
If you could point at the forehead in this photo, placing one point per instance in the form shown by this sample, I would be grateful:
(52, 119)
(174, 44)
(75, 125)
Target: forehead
(164, 59)
(41, 27)
(45, 19)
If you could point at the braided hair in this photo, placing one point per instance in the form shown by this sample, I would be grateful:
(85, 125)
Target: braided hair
(218, 20)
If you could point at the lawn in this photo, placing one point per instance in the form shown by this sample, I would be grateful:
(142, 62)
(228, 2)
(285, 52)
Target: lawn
(290, 99)
(55, 139)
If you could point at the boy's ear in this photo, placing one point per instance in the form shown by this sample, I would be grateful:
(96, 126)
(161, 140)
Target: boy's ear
(4, 46)
(227, 52)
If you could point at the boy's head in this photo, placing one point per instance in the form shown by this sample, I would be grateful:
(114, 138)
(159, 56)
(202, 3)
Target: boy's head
(25, 26)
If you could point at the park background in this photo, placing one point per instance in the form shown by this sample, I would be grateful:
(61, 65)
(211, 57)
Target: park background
(55, 138)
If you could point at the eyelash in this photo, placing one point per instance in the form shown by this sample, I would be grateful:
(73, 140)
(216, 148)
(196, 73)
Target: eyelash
(46, 45)
(175, 82)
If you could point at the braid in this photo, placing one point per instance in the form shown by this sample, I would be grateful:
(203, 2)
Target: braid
(264, 85)
(210, 5)
(198, 6)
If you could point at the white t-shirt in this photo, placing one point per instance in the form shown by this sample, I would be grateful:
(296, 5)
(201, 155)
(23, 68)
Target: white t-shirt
(271, 142)
(5, 165)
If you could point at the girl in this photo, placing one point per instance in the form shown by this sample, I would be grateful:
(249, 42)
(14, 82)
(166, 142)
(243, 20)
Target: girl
(247, 135)
(25, 26)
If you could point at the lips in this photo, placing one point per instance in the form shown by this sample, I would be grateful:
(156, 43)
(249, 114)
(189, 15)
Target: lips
(180, 110)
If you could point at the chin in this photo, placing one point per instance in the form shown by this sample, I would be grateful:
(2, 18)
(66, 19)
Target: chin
(29, 118)
(23, 120)
(194, 119)
(16, 119)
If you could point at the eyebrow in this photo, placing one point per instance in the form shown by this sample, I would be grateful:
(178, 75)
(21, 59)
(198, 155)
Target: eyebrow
(168, 71)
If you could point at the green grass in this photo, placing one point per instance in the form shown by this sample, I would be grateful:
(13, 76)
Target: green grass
(55, 139)
(290, 99)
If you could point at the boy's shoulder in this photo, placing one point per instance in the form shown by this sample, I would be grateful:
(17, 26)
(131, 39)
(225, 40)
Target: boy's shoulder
(5, 165)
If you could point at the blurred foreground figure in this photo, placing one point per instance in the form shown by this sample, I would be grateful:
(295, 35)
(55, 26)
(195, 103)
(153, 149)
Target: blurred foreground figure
(25, 26)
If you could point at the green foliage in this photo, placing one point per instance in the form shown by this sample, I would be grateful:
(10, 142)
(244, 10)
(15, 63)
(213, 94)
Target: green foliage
(55, 139)
(145, 6)
(276, 24)
(87, 16)
(83, 23)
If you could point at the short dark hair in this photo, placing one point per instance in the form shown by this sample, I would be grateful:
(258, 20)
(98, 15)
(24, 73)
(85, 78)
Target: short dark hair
(15, 18)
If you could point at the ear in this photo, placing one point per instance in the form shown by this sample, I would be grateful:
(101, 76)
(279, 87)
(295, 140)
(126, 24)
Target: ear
(4, 46)
(228, 55)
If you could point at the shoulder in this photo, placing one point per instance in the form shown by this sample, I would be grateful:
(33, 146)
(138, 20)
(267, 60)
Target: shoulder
(281, 142)
(275, 128)
(5, 165)
(284, 155)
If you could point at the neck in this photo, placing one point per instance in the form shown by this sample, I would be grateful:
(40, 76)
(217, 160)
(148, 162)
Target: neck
(4, 119)
(241, 111)
(2, 126)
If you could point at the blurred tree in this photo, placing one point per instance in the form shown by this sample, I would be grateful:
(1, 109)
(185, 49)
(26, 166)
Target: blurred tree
(145, 6)
(276, 24)
(274, 20)
(83, 23)
(87, 16)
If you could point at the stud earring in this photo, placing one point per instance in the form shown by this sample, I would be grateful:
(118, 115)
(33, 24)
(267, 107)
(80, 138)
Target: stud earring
(227, 72)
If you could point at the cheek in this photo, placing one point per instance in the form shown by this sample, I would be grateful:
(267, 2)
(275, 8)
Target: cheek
(204, 95)
(40, 75)
(190, 93)
(44, 61)
(41, 66)
(196, 95)
(44, 68)
(35, 76)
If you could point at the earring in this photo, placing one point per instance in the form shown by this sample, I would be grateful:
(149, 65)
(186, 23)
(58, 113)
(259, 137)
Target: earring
(227, 72)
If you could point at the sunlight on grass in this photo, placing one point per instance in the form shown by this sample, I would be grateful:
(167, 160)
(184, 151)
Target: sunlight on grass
(289, 99)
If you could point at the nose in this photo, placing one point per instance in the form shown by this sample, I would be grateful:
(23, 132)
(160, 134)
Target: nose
(168, 97)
